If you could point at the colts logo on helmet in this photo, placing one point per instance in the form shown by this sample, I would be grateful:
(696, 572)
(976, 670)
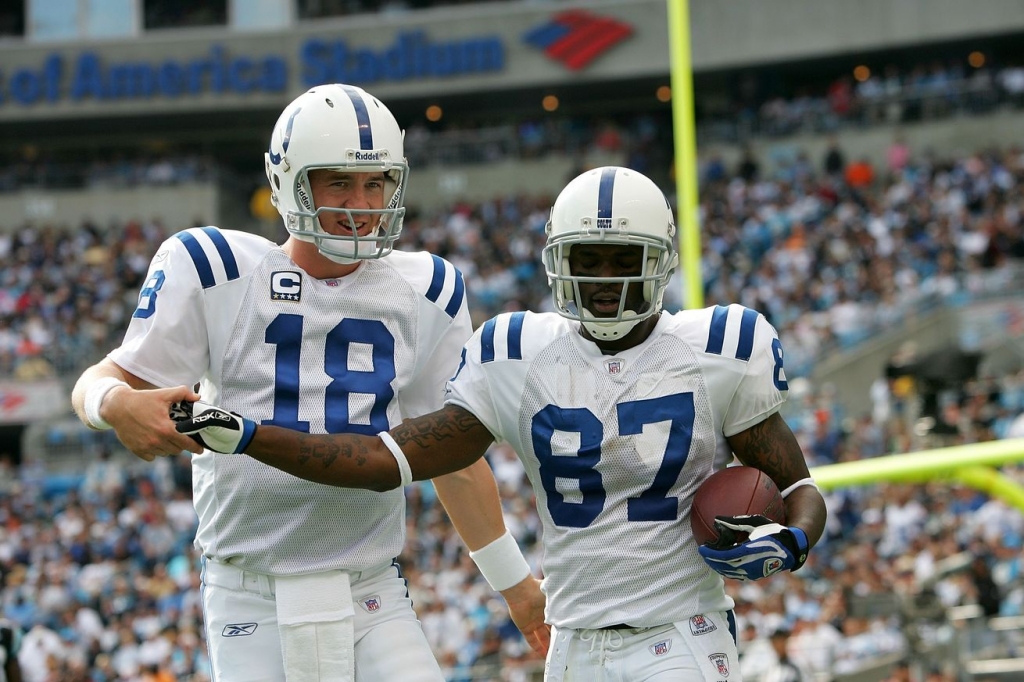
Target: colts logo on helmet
(276, 158)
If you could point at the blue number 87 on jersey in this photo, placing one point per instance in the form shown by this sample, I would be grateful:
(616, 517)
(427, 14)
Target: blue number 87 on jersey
(653, 504)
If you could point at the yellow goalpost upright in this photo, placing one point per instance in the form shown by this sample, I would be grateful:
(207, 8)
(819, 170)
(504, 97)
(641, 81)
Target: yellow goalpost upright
(972, 465)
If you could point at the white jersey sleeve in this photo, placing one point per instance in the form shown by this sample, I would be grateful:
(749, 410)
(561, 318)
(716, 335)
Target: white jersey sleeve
(746, 336)
(167, 341)
(443, 333)
(498, 340)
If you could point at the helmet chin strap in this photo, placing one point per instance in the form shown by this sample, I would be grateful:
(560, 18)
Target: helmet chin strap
(342, 250)
(610, 331)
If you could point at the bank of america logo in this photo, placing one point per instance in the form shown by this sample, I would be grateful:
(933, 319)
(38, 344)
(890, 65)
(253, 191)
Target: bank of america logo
(577, 37)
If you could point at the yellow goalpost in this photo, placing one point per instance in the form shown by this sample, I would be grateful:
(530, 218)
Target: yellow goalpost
(972, 465)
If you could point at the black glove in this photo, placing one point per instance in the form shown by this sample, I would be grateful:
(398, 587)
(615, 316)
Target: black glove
(212, 427)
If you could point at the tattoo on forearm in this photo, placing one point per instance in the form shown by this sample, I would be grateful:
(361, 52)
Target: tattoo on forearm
(326, 452)
(444, 425)
(771, 447)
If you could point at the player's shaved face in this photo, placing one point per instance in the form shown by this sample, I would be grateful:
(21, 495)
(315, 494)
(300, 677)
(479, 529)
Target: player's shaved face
(354, 191)
(606, 261)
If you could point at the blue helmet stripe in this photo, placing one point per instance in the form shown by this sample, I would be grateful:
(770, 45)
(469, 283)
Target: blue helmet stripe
(362, 117)
(604, 198)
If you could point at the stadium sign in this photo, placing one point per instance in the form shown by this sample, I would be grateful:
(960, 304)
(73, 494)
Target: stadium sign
(411, 56)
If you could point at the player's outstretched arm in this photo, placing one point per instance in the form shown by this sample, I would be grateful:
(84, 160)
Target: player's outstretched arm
(432, 445)
(107, 396)
(770, 547)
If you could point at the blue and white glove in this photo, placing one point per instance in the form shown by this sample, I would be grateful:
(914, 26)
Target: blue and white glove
(769, 548)
(212, 427)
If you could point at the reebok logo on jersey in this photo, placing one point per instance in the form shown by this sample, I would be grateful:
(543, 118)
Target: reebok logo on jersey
(661, 648)
(721, 662)
(286, 285)
(371, 604)
(701, 625)
(239, 629)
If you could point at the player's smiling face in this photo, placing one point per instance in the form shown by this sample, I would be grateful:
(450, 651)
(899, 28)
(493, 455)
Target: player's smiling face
(354, 191)
(606, 261)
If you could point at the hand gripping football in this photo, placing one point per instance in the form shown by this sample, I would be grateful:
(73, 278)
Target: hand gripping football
(734, 491)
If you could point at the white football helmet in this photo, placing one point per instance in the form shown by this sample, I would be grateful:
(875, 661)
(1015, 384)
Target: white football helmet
(337, 127)
(611, 205)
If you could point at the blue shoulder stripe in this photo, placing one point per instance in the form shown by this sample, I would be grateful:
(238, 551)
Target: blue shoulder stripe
(487, 341)
(746, 344)
(437, 285)
(224, 249)
(717, 335)
(202, 262)
(460, 291)
(437, 281)
(515, 336)
(199, 259)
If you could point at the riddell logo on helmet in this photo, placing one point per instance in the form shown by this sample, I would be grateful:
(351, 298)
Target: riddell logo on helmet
(368, 156)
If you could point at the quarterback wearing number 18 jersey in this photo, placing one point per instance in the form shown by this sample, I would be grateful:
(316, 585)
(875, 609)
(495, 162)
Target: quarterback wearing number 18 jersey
(616, 445)
(356, 354)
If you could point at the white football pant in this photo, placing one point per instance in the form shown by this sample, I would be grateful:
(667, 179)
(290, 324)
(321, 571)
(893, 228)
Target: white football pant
(701, 649)
(244, 639)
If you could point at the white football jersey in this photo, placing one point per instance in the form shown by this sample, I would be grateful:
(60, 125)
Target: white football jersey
(356, 354)
(616, 446)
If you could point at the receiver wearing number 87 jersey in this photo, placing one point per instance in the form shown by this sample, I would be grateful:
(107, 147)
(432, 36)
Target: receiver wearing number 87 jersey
(356, 354)
(616, 445)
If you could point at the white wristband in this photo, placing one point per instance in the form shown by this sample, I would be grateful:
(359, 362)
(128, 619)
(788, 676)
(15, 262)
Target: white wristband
(501, 563)
(802, 482)
(403, 464)
(94, 399)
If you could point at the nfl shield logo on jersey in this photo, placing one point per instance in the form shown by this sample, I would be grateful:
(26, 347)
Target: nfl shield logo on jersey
(721, 662)
(700, 625)
(371, 604)
(286, 285)
(614, 366)
(661, 648)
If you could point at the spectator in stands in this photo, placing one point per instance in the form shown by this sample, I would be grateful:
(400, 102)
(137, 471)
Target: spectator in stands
(835, 160)
(784, 669)
(860, 174)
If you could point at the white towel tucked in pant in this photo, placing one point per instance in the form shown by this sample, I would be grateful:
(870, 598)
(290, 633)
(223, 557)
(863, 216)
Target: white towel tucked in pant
(315, 617)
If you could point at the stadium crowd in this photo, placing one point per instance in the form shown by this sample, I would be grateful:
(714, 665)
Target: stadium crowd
(100, 573)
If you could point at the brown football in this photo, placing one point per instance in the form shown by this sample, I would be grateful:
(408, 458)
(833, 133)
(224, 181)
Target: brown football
(734, 491)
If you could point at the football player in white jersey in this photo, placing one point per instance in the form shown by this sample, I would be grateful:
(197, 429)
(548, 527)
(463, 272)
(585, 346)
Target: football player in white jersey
(331, 332)
(618, 411)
